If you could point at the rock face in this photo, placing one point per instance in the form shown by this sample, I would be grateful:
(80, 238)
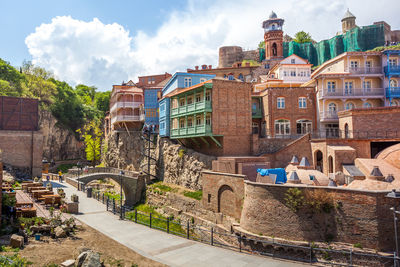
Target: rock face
(60, 232)
(172, 163)
(58, 143)
(17, 241)
(88, 259)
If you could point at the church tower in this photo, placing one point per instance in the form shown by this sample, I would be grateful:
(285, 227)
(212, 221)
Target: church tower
(348, 21)
(273, 37)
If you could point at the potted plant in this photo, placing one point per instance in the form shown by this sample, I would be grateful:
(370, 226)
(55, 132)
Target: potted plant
(74, 198)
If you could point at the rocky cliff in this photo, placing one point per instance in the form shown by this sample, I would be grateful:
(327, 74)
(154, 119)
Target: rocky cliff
(58, 143)
(172, 162)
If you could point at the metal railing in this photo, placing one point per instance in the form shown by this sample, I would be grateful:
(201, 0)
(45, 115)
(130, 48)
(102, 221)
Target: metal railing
(364, 70)
(121, 118)
(335, 133)
(328, 115)
(125, 104)
(392, 69)
(379, 92)
(393, 92)
(237, 241)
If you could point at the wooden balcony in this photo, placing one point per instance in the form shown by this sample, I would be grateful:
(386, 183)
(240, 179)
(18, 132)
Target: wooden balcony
(197, 130)
(352, 93)
(197, 107)
(127, 118)
(118, 105)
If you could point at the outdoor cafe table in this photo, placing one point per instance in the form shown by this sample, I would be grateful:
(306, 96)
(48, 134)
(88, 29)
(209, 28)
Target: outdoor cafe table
(30, 189)
(52, 199)
(38, 193)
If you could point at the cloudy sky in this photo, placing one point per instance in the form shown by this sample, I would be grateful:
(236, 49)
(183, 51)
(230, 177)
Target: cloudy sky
(101, 42)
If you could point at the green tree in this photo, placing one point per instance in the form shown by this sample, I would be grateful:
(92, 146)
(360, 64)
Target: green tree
(86, 93)
(102, 101)
(302, 37)
(92, 137)
(261, 44)
(15, 79)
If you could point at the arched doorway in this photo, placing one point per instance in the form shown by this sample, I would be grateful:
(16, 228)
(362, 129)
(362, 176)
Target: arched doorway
(226, 200)
(330, 164)
(319, 159)
(274, 50)
(346, 131)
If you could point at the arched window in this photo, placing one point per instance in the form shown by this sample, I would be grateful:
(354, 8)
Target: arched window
(367, 105)
(332, 107)
(282, 127)
(274, 50)
(349, 106)
(330, 164)
(395, 103)
(346, 131)
(230, 77)
(393, 83)
(319, 158)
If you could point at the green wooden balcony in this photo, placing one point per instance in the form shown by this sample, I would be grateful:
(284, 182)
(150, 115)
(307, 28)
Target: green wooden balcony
(194, 131)
(256, 114)
(197, 107)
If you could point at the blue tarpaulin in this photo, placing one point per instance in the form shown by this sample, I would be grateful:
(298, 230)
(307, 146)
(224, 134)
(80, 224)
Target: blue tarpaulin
(280, 174)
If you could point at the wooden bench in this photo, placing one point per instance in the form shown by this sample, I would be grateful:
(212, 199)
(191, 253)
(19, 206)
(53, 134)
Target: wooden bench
(30, 189)
(25, 209)
(52, 199)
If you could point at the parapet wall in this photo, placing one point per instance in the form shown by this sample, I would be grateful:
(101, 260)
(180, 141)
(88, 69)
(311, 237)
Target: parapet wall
(355, 216)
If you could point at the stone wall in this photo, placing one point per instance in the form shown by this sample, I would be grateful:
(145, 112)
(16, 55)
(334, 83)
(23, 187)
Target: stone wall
(355, 216)
(22, 149)
(184, 168)
(58, 143)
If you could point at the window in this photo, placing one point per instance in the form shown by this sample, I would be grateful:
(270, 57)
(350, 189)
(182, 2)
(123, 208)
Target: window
(208, 96)
(331, 87)
(349, 106)
(190, 100)
(188, 82)
(368, 65)
(175, 103)
(282, 127)
(392, 62)
(190, 122)
(198, 98)
(182, 123)
(284, 73)
(367, 86)
(354, 64)
(175, 124)
(181, 102)
(302, 102)
(281, 102)
(240, 77)
(332, 107)
(208, 119)
(198, 120)
(394, 103)
(303, 126)
(348, 88)
(255, 127)
(162, 108)
(162, 125)
(393, 83)
(202, 80)
(293, 61)
(293, 73)
(367, 105)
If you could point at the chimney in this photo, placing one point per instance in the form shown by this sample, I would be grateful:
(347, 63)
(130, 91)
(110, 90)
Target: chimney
(294, 178)
(210, 67)
(376, 174)
(295, 160)
(196, 67)
(304, 164)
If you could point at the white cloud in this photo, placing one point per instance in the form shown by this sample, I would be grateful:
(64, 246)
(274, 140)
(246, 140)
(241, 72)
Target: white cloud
(104, 54)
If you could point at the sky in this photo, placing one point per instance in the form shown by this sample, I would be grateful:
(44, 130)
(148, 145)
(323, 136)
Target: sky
(104, 42)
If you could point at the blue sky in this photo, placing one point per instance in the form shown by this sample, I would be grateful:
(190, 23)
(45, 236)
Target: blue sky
(101, 43)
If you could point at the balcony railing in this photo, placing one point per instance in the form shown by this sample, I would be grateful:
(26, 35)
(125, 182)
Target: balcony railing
(393, 92)
(365, 70)
(125, 105)
(199, 130)
(328, 116)
(191, 108)
(127, 118)
(392, 70)
(353, 92)
(256, 113)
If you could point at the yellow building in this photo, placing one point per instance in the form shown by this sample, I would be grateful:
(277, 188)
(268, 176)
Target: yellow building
(350, 80)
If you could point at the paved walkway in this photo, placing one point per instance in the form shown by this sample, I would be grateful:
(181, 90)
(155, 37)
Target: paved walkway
(160, 246)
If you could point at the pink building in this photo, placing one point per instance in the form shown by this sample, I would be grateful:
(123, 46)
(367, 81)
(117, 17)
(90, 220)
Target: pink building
(126, 106)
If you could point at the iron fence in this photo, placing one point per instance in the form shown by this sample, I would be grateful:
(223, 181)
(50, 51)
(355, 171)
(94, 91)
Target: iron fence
(215, 236)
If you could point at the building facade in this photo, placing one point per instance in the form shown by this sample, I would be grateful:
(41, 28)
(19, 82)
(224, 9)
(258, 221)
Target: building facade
(351, 80)
(179, 80)
(126, 107)
(151, 80)
(391, 63)
(293, 70)
(240, 71)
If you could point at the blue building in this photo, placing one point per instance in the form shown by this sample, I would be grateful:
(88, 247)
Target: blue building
(178, 80)
(392, 77)
(151, 105)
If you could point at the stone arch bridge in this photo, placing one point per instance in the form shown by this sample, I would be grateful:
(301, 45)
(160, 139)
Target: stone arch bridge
(132, 183)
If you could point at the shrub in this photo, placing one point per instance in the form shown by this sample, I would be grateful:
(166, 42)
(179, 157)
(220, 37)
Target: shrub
(195, 195)
(294, 199)
(319, 200)
(13, 261)
(358, 245)
(181, 153)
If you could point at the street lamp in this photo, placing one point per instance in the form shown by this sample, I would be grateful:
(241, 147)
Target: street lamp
(79, 164)
(395, 195)
(120, 194)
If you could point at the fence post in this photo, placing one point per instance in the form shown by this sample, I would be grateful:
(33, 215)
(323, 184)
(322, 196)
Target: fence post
(240, 243)
(394, 259)
(168, 225)
(114, 205)
(187, 230)
(150, 220)
(351, 256)
(311, 253)
(107, 203)
(103, 198)
(135, 215)
(212, 236)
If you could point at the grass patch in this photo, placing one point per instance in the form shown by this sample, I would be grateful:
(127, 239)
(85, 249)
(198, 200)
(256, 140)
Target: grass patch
(196, 194)
(162, 187)
(158, 221)
(13, 261)
(64, 167)
(358, 245)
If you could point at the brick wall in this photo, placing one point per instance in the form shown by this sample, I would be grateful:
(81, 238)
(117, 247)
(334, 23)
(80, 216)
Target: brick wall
(231, 116)
(291, 112)
(357, 217)
(22, 149)
(223, 193)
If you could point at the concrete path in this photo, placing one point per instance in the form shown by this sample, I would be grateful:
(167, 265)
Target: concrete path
(160, 246)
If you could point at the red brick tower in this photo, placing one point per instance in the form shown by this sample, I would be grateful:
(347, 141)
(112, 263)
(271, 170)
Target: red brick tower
(273, 37)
